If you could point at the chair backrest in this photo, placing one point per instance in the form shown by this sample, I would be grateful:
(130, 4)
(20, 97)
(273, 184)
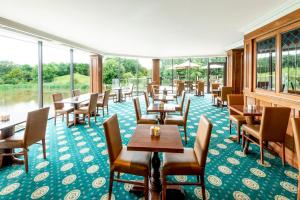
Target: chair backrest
(182, 99)
(137, 108)
(146, 100)
(200, 86)
(106, 97)
(202, 140)
(57, 98)
(274, 123)
(215, 86)
(113, 138)
(180, 88)
(76, 93)
(93, 103)
(225, 91)
(187, 110)
(36, 125)
(296, 130)
(234, 99)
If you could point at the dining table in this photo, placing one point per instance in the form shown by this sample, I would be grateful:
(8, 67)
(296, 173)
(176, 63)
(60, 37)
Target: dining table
(248, 111)
(7, 129)
(163, 98)
(119, 94)
(161, 108)
(169, 141)
(75, 102)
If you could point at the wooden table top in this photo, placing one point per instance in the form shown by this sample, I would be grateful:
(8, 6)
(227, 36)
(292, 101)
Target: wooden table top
(13, 121)
(247, 111)
(168, 141)
(77, 99)
(158, 107)
(161, 97)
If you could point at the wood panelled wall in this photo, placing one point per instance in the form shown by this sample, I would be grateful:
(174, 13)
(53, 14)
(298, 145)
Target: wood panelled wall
(96, 74)
(156, 71)
(235, 73)
(271, 98)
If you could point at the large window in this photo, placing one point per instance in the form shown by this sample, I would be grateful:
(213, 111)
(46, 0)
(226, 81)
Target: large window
(56, 71)
(18, 73)
(290, 61)
(81, 70)
(265, 64)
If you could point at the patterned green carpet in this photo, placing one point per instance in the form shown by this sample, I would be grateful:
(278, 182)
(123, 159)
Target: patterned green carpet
(77, 163)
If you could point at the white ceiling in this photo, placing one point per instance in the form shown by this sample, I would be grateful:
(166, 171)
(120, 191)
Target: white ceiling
(149, 28)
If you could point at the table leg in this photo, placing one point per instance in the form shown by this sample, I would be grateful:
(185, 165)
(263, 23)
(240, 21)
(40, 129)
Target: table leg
(155, 183)
(7, 160)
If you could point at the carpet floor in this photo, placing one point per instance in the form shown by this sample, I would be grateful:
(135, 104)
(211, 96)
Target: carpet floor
(77, 163)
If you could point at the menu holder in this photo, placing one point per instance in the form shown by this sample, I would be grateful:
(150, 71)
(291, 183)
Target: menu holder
(155, 131)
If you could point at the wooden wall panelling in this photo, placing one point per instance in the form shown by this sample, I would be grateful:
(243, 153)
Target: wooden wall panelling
(96, 70)
(235, 69)
(156, 71)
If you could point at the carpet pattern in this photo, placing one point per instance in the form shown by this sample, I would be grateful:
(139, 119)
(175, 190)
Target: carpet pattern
(77, 163)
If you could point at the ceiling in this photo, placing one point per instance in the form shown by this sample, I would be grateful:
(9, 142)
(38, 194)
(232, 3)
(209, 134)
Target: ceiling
(156, 29)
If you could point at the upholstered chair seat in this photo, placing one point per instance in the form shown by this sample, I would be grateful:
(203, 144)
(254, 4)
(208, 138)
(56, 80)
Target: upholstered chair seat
(185, 163)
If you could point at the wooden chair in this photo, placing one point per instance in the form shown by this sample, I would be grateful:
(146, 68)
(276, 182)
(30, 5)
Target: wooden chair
(147, 102)
(143, 119)
(272, 128)
(128, 93)
(76, 93)
(60, 108)
(179, 120)
(239, 120)
(223, 98)
(112, 94)
(103, 102)
(296, 130)
(179, 107)
(123, 161)
(89, 110)
(200, 88)
(214, 95)
(179, 88)
(191, 162)
(35, 131)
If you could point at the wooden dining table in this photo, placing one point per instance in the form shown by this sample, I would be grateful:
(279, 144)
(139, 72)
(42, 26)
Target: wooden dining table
(168, 141)
(163, 98)
(7, 129)
(161, 108)
(248, 111)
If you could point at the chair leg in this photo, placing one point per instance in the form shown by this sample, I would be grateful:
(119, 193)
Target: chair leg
(283, 153)
(44, 148)
(146, 187)
(164, 188)
(55, 118)
(107, 108)
(198, 179)
(103, 111)
(230, 123)
(89, 118)
(95, 116)
(203, 186)
(75, 119)
(67, 117)
(246, 145)
(111, 179)
(261, 145)
(238, 133)
(25, 159)
(97, 110)
(185, 134)
(243, 139)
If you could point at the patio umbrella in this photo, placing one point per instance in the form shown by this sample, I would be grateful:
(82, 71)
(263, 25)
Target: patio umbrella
(212, 66)
(184, 65)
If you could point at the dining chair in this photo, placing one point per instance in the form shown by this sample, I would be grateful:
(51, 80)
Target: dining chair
(103, 102)
(223, 97)
(191, 162)
(123, 161)
(200, 88)
(179, 107)
(239, 120)
(76, 93)
(214, 95)
(273, 127)
(296, 131)
(35, 131)
(180, 88)
(112, 93)
(128, 93)
(179, 120)
(143, 119)
(147, 102)
(60, 108)
(89, 110)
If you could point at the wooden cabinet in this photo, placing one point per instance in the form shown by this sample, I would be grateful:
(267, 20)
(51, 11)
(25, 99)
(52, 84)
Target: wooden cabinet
(235, 70)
